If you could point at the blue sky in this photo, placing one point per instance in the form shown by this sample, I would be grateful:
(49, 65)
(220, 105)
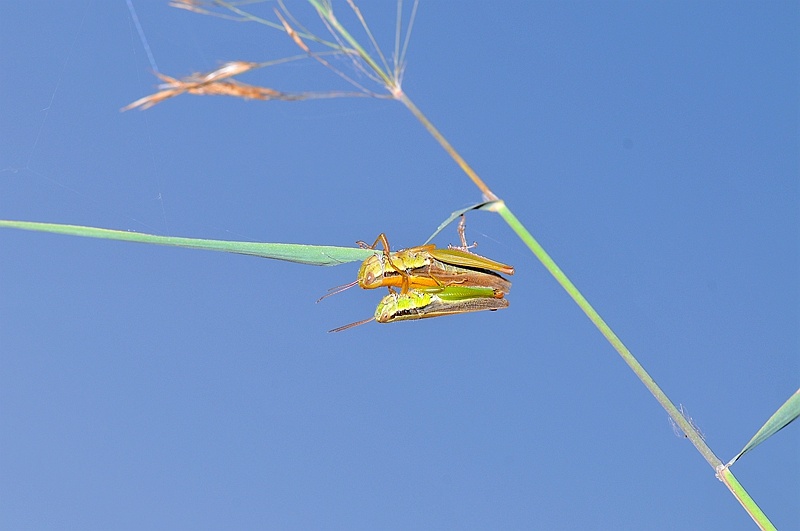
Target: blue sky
(651, 148)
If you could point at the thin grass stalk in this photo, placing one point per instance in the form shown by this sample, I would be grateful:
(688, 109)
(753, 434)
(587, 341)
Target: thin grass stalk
(726, 476)
(691, 432)
(549, 264)
(327, 14)
(465, 167)
(247, 16)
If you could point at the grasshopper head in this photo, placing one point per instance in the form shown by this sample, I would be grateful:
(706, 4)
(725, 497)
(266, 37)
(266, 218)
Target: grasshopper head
(370, 276)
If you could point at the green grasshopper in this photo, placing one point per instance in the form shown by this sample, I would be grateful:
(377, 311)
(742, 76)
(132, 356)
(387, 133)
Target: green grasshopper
(433, 302)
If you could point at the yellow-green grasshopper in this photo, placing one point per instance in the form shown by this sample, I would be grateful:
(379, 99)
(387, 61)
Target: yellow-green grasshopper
(433, 302)
(426, 266)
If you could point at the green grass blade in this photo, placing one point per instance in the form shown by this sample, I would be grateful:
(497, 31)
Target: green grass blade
(785, 414)
(321, 255)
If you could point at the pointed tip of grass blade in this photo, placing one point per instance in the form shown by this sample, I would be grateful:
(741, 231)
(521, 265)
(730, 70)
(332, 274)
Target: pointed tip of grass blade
(785, 414)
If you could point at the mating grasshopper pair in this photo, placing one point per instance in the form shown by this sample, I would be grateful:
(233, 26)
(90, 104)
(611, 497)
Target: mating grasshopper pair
(433, 282)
